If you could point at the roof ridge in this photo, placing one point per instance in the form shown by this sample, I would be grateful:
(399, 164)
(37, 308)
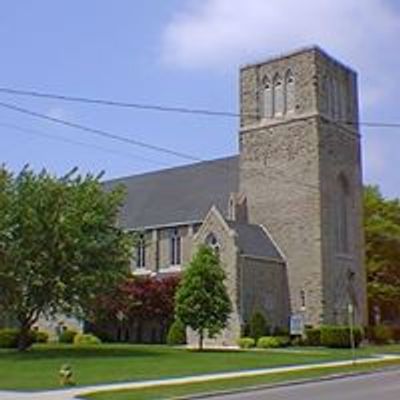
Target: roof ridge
(169, 169)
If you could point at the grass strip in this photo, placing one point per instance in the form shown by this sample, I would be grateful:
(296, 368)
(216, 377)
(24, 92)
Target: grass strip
(177, 391)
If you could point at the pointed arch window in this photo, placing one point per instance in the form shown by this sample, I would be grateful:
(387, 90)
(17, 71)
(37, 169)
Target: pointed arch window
(213, 242)
(278, 96)
(289, 92)
(141, 252)
(267, 98)
(175, 247)
(343, 213)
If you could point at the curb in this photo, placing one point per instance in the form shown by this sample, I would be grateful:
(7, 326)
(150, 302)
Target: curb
(327, 378)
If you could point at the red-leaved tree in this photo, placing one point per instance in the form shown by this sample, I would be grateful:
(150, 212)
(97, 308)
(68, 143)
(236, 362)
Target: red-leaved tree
(138, 298)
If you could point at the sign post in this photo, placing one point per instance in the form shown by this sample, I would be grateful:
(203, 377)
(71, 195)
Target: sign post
(350, 310)
(297, 325)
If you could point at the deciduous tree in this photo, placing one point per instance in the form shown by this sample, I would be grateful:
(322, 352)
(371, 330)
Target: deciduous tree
(59, 244)
(382, 232)
(202, 301)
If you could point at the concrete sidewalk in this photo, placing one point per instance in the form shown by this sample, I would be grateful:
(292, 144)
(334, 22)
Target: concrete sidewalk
(71, 394)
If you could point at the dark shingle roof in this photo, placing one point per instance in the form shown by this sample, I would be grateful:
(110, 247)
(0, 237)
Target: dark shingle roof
(178, 195)
(254, 241)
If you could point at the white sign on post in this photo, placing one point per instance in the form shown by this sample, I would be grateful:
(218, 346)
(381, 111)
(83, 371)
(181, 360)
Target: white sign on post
(297, 324)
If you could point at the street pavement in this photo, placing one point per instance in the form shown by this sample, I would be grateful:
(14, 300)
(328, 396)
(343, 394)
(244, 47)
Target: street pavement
(378, 386)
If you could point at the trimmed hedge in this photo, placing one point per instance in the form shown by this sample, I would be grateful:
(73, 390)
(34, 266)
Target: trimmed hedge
(272, 342)
(246, 342)
(176, 334)
(83, 339)
(67, 336)
(339, 336)
(313, 337)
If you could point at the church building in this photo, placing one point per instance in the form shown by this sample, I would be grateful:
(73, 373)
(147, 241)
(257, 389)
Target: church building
(285, 214)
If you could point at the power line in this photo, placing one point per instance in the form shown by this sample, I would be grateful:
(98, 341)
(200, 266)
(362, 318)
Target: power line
(141, 106)
(64, 139)
(124, 139)
(165, 108)
(99, 132)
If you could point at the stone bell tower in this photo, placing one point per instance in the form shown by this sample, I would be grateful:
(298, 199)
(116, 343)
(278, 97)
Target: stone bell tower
(300, 169)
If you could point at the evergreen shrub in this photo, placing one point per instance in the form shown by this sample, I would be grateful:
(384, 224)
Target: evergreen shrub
(268, 342)
(67, 336)
(246, 342)
(339, 336)
(176, 333)
(258, 326)
(313, 337)
(84, 339)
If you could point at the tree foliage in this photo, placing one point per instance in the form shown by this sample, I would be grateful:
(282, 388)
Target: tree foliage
(137, 298)
(59, 244)
(382, 231)
(202, 301)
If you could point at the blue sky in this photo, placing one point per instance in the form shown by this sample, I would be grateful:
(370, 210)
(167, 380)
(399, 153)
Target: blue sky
(183, 53)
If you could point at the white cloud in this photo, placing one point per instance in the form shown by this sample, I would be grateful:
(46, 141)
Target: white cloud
(222, 33)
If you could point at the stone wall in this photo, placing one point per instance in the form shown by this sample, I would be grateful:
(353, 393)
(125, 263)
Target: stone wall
(228, 251)
(288, 169)
(264, 289)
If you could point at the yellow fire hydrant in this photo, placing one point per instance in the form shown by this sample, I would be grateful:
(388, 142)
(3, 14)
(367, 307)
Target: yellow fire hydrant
(66, 375)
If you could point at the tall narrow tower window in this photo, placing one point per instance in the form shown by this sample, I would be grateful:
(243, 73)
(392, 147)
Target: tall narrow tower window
(334, 99)
(279, 98)
(325, 95)
(342, 220)
(267, 98)
(289, 92)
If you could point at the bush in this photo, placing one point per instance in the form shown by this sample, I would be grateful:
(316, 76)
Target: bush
(8, 338)
(246, 342)
(41, 337)
(83, 339)
(67, 336)
(268, 342)
(298, 341)
(339, 336)
(382, 334)
(284, 341)
(396, 333)
(280, 331)
(258, 326)
(176, 334)
(313, 337)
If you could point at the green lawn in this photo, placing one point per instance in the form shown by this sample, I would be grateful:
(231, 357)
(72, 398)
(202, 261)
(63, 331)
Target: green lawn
(38, 368)
(170, 392)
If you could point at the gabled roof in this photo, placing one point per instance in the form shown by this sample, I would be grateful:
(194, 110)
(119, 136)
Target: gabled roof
(178, 195)
(253, 240)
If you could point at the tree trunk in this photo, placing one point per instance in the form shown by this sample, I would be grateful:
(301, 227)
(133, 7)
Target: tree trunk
(24, 337)
(201, 338)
